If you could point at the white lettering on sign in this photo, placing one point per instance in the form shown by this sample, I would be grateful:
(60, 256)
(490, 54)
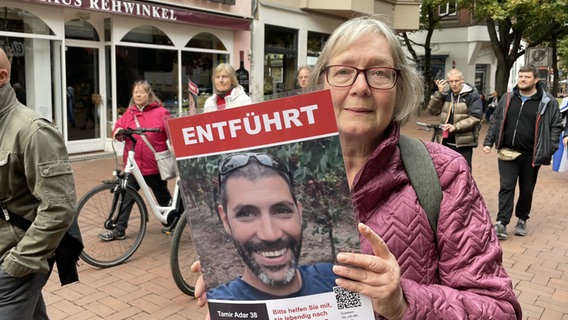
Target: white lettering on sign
(76, 3)
(134, 8)
(251, 125)
(123, 7)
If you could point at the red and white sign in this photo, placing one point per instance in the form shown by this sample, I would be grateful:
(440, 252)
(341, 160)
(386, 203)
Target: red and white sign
(264, 124)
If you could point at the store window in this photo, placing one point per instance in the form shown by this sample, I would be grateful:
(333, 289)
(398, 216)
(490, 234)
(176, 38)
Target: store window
(280, 59)
(29, 44)
(82, 78)
(204, 52)
(316, 41)
(80, 29)
(157, 65)
(18, 20)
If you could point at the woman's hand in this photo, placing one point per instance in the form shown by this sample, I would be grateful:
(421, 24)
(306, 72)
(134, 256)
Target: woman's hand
(376, 276)
(117, 134)
(199, 285)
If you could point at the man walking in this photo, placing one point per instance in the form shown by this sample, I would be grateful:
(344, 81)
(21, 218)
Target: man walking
(460, 110)
(525, 129)
(36, 184)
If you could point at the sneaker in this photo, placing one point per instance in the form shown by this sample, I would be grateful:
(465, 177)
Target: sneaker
(521, 228)
(501, 230)
(113, 234)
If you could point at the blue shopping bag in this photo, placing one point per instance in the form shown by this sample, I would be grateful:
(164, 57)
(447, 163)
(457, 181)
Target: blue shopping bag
(557, 156)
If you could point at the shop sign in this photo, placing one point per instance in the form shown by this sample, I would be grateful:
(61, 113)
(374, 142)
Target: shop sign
(152, 11)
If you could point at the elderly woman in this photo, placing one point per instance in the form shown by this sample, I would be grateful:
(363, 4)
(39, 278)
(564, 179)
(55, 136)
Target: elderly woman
(227, 91)
(408, 271)
(145, 111)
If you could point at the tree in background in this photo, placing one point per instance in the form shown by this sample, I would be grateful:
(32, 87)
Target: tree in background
(509, 23)
(513, 26)
(563, 57)
(430, 20)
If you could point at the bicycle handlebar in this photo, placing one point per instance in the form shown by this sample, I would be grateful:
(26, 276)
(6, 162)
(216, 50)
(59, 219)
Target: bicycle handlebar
(138, 131)
(429, 125)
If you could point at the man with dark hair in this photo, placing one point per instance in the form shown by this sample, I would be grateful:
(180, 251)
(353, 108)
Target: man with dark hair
(525, 129)
(264, 219)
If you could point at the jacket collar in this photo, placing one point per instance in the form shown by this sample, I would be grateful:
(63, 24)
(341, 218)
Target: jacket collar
(149, 106)
(380, 157)
(7, 99)
(537, 96)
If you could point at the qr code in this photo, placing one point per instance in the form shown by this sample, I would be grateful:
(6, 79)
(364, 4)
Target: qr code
(346, 299)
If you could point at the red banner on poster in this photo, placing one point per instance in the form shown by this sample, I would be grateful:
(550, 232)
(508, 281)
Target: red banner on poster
(257, 125)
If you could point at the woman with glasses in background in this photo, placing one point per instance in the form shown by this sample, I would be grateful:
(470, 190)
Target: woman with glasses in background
(409, 271)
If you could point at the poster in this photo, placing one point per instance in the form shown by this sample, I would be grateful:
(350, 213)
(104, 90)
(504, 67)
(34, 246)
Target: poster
(267, 236)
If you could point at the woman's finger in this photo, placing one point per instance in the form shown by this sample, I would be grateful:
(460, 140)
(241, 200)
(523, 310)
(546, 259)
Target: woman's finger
(380, 248)
(196, 267)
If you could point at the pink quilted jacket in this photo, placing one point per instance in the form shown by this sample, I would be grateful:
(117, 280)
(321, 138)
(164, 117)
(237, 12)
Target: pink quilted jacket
(153, 116)
(460, 276)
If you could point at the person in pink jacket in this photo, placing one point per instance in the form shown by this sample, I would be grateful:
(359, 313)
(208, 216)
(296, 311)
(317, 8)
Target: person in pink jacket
(408, 271)
(146, 109)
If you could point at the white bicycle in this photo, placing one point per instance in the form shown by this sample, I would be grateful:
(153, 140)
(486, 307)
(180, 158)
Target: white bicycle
(100, 207)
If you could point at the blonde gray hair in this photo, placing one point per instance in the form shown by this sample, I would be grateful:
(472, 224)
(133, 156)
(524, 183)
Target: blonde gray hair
(409, 87)
(148, 88)
(229, 70)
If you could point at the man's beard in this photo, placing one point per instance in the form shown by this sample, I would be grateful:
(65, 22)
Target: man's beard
(526, 87)
(246, 251)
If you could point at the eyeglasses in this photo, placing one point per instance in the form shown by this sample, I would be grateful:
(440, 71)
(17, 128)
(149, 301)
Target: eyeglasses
(382, 78)
(240, 160)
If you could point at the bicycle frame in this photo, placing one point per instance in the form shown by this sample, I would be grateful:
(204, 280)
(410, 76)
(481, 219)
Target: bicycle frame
(161, 213)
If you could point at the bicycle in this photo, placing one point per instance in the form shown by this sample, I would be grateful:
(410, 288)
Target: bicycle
(437, 130)
(99, 208)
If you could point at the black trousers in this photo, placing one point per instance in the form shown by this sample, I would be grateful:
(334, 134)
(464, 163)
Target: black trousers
(21, 298)
(510, 172)
(466, 152)
(159, 188)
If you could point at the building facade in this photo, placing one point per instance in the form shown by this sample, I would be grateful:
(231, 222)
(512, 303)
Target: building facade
(74, 61)
(290, 34)
(463, 42)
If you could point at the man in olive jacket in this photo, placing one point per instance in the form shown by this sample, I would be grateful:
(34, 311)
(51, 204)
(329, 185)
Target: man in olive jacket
(36, 183)
(460, 110)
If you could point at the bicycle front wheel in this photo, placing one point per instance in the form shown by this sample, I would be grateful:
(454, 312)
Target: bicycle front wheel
(94, 211)
(182, 255)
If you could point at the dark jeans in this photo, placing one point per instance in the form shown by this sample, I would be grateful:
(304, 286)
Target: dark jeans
(509, 171)
(466, 152)
(21, 298)
(159, 188)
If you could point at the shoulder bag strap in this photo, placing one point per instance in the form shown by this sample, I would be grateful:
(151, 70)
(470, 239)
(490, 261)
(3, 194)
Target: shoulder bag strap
(144, 137)
(420, 169)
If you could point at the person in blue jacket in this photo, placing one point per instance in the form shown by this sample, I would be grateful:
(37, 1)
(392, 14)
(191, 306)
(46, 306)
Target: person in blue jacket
(264, 219)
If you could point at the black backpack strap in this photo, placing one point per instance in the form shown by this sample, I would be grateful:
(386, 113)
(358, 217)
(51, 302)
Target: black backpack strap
(420, 169)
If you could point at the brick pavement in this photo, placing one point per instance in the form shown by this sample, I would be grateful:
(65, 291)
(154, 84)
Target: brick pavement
(142, 288)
